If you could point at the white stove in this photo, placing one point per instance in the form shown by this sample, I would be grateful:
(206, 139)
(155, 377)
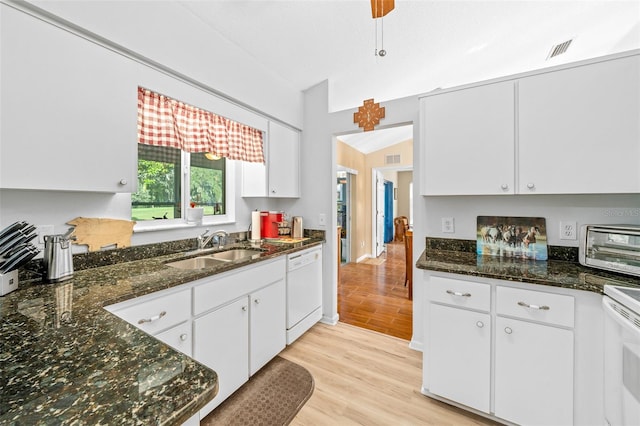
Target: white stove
(621, 355)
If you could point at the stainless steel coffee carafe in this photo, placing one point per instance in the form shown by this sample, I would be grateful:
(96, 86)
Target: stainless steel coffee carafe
(58, 259)
(298, 230)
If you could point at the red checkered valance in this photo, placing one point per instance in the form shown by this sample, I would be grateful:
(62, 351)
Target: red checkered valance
(163, 121)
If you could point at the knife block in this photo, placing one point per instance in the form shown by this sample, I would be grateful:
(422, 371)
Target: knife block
(8, 282)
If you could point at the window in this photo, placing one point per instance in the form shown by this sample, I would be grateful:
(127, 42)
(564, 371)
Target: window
(160, 183)
(186, 157)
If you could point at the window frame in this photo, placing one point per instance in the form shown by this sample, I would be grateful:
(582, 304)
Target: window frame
(185, 198)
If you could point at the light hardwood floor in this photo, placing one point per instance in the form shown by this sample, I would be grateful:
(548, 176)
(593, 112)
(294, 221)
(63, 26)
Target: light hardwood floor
(363, 377)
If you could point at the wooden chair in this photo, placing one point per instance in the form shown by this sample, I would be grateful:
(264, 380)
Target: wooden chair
(408, 254)
(401, 224)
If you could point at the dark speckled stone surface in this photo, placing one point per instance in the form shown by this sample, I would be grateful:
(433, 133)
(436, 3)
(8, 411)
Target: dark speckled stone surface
(561, 270)
(66, 360)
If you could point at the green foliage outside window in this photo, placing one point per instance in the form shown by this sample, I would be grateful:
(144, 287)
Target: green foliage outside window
(159, 184)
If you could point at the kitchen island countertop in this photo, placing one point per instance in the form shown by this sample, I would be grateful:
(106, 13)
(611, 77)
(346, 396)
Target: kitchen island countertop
(66, 360)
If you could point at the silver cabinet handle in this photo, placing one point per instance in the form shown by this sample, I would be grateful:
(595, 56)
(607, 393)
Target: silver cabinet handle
(123, 182)
(508, 330)
(457, 293)
(504, 186)
(540, 308)
(257, 301)
(152, 319)
(244, 308)
(531, 185)
(479, 324)
(184, 337)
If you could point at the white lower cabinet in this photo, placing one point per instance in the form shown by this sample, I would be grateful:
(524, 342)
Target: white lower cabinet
(178, 337)
(511, 353)
(222, 344)
(239, 324)
(460, 355)
(234, 322)
(268, 325)
(533, 373)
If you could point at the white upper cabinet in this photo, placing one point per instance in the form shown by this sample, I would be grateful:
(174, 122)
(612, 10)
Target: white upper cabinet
(280, 177)
(68, 110)
(468, 141)
(564, 131)
(580, 129)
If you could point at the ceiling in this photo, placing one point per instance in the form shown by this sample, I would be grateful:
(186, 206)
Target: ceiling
(368, 142)
(430, 44)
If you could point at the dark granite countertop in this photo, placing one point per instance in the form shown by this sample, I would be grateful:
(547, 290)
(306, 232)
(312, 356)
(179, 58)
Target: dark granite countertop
(66, 360)
(557, 273)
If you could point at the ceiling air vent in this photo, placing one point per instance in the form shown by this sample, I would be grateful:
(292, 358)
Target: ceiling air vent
(559, 49)
(392, 159)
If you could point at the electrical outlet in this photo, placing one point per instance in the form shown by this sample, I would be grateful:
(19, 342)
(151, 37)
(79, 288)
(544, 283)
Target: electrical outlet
(448, 225)
(568, 230)
(322, 219)
(42, 230)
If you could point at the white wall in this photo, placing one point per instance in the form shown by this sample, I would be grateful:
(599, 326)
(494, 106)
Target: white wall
(153, 29)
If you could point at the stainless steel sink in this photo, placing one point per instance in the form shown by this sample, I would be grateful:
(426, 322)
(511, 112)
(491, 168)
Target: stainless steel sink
(215, 259)
(236, 254)
(197, 263)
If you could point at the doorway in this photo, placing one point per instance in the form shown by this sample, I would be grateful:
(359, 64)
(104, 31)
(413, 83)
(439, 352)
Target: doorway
(371, 289)
(344, 213)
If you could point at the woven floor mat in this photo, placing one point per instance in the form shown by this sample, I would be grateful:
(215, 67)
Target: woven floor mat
(273, 396)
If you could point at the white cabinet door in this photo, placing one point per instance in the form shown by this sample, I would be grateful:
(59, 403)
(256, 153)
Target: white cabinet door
(533, 373)
(267, 325)
(280, 177)
(459, 354)
(67, 123)
(221, 342)
(284, 161)
(178, 337)
(579, 130)
(254, 179)
(468, 141)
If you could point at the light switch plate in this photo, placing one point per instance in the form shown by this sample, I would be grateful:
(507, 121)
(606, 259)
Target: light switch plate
(322, 219)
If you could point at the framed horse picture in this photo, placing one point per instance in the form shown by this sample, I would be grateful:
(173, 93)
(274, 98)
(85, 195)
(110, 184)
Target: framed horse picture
(512, 237)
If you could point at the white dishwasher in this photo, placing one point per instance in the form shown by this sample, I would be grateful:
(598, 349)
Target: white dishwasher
(304, 291)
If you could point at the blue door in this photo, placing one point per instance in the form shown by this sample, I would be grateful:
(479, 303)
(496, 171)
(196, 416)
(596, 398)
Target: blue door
(388, 211)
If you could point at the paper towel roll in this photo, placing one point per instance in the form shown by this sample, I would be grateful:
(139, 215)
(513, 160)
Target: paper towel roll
(255, 225)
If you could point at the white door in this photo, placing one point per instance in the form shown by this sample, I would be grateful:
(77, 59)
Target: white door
(533, 373)
(379, 240)
(221, 342)
(268, 325)
(460, 355)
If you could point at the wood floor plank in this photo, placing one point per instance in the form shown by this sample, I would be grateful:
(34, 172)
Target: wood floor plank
(374, 296)
(367, 378)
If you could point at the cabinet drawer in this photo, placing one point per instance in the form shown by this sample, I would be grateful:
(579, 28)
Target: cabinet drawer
(178, 337)
(159, 313)
(221, 290)
(557, 309)
(467, 294)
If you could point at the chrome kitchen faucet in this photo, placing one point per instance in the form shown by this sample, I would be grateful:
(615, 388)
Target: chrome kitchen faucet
(221, 238)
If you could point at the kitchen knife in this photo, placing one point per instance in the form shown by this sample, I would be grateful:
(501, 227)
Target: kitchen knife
(18, 261)
(19, 238)
(11, 228)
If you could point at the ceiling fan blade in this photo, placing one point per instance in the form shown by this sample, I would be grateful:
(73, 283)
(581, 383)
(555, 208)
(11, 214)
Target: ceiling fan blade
(380, 8)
